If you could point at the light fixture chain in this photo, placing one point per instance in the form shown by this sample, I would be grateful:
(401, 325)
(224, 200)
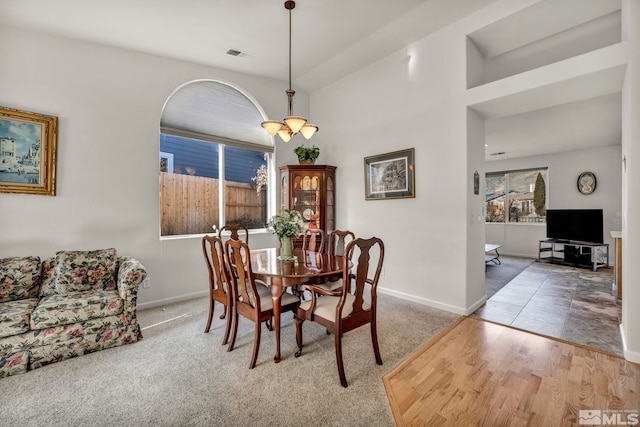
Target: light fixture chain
(290, 92)
(290, 49)
(291, 124)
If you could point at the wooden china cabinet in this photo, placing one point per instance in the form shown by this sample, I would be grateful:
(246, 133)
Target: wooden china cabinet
(310, 189)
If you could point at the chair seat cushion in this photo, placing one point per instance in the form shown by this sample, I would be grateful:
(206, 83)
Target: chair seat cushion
(266, 302)
(15, 315)
(331, 286)
(75, 307)
(326, 306)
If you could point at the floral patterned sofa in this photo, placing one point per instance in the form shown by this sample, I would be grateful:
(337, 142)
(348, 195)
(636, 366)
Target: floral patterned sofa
(74, 303)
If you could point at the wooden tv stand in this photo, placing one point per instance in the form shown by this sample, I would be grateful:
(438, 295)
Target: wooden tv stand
(569, 252)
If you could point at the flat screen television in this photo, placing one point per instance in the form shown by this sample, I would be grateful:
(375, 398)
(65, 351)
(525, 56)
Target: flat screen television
(580, 225)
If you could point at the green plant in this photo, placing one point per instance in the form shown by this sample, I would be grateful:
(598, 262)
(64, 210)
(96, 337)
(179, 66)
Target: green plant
(287, 223)
(306, 153)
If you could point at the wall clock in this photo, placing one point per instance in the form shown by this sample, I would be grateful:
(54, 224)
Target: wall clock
(586, 182)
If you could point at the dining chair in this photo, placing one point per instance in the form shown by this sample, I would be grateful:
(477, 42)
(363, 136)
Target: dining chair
(337, 241)
(350, 307)
(235, 229)
(313, 240)
(219, 291)
(250, 300)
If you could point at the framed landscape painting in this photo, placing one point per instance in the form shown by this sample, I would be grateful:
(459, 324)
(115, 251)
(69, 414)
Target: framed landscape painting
(390, 175)
(27, 152)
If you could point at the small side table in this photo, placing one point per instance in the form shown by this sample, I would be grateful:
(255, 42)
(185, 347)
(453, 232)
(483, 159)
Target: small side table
(491, 257)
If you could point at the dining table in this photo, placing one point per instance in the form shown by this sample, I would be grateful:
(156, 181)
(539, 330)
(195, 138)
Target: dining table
(279, 274)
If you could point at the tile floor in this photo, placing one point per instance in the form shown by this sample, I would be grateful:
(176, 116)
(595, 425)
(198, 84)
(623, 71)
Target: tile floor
(574, 304)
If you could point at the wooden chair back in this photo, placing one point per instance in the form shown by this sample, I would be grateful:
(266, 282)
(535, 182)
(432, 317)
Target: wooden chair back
(235, 231)
(363, 282)
(338, 240)
(238, 261)
(219, 289)
(313, 240)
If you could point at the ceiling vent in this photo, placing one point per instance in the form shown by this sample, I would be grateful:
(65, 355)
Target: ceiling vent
(238, 53)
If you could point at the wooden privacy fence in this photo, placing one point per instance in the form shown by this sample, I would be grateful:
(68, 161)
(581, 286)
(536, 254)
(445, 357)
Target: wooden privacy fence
(189, 204)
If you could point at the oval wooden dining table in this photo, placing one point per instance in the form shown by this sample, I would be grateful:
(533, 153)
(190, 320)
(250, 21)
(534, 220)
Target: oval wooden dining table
(307, 267)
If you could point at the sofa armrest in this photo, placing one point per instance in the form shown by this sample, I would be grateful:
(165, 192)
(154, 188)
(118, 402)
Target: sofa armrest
(131, 273)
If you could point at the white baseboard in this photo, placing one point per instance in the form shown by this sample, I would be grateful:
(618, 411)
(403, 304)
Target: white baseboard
(435, 304)
(401, 295)
(476, 305)
(515, 254)
(631, 356)
(167, 301)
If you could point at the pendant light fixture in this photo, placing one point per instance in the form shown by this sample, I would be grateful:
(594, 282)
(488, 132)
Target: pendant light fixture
(291, 124)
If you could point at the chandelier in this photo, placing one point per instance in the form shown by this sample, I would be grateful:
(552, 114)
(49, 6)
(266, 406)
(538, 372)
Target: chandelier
(291, 124)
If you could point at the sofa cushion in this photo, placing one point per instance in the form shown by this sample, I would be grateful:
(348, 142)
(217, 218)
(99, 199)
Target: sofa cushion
(75, 307)
(14, 363)
(78, 271)
(19, 278)
(14, 316)
(112, 337)
(40, 337)
(54, 352)
(47, 278)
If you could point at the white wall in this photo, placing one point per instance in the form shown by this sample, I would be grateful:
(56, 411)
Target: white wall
(630, 189)
(564, 168)
(109, 102)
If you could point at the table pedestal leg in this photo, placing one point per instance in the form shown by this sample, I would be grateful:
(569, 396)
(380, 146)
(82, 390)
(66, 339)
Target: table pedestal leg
(276, 294)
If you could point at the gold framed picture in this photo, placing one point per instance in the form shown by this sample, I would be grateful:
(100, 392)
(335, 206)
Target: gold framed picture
(389, 175)
(28, 143)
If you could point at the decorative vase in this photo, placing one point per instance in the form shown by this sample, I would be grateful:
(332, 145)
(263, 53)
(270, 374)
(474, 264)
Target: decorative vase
(286, 248)
(307, 162)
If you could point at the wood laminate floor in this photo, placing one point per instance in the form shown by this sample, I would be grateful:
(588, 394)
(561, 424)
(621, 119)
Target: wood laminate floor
(479, 373)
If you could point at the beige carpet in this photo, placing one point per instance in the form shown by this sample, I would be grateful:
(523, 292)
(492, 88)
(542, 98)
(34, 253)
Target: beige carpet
(179, 376)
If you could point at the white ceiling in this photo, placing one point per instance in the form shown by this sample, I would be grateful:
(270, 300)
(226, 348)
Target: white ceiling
(331, 39)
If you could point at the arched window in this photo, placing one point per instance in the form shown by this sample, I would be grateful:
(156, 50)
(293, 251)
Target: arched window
(214, 160)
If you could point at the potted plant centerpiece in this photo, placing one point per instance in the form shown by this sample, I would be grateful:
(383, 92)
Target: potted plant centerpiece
(286, 225)
(307, 155)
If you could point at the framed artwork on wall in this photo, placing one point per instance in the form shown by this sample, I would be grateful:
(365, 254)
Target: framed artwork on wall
(27, 152)
(390, 175)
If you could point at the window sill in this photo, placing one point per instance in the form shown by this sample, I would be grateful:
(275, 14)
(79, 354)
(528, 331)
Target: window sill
(255, 231)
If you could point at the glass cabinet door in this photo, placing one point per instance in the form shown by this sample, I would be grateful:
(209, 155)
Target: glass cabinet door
(284, 191)
(307, 187)
(330, 220)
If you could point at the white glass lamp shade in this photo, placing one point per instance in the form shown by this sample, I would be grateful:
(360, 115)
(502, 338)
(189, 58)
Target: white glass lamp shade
(295, 123)
(308, 130)
(272, 126)
(285, 133)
